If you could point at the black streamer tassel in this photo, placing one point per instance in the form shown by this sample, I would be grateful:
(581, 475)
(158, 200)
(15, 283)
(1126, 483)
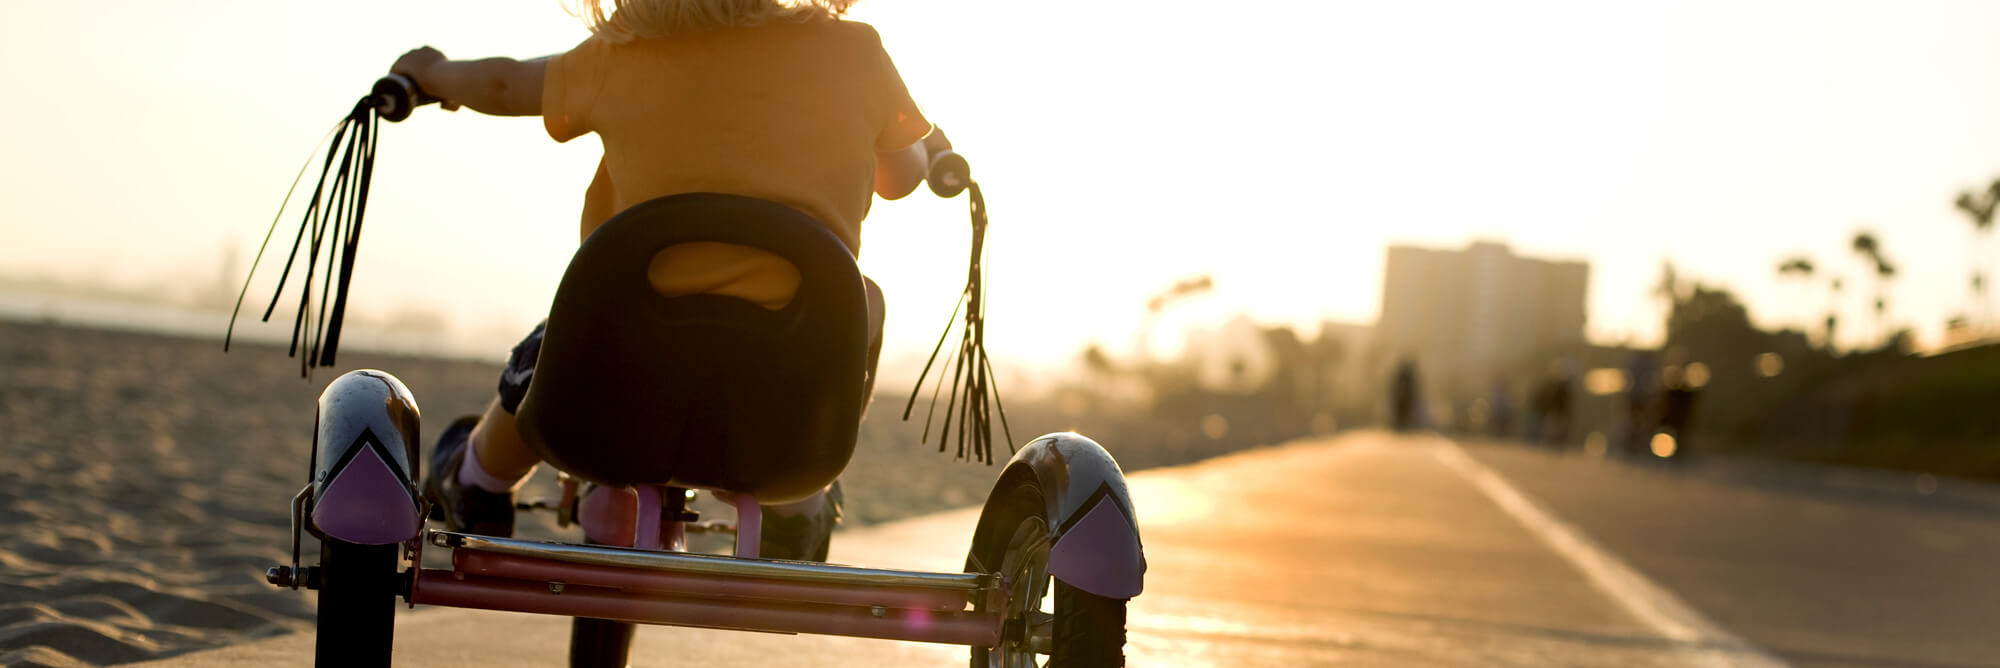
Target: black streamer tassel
(331, 229)
(975, 395)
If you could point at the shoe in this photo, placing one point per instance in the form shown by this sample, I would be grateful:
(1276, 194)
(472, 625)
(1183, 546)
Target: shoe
(463, 507)
(801, 537)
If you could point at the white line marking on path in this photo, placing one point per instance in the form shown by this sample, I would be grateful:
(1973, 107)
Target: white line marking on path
(1703, 641)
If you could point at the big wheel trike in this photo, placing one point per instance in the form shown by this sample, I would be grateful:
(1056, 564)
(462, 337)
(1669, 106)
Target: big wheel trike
(758, 406)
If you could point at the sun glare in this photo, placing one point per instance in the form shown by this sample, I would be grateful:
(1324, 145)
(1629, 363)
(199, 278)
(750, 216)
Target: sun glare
(1664, 445)
(1697, 375)
(1604, 381)
(1769, 365)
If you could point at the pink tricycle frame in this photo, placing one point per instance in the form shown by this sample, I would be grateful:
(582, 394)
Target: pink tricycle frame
(656, 582)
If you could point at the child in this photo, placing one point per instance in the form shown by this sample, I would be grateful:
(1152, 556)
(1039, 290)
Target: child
(776, 99)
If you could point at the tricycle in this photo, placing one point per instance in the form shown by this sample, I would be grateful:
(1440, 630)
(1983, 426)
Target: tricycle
(755, 406)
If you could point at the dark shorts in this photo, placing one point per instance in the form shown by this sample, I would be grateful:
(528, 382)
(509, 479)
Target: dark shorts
(520, 370)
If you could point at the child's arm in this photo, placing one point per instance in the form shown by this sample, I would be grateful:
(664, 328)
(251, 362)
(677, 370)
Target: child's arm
(496, 86)
(898, 173)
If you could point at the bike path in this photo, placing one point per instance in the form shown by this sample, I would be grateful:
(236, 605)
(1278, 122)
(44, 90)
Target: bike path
(1366, 549)
(1821, 566)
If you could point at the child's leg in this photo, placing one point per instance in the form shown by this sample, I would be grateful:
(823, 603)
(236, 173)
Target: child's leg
(498, 451)
(499, 459)
(477, 463)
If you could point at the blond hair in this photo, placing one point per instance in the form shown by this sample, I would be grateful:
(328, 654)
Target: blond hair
(656, 18)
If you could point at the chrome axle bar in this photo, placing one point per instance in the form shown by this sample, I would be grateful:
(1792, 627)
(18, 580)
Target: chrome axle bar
(708, 564)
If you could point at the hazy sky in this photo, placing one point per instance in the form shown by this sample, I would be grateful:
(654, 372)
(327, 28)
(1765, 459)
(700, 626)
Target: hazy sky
(1122, 146)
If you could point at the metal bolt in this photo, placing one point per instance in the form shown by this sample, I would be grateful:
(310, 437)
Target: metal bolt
(555, 587)
(877, 611)
(294, 578)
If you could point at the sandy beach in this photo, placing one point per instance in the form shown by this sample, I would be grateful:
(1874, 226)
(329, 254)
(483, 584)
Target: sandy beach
(145, 483)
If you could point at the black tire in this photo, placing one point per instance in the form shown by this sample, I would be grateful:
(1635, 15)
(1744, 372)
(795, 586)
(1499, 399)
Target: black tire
(599, 643)
(1095, 634)
(1089, 630)
(358, 585)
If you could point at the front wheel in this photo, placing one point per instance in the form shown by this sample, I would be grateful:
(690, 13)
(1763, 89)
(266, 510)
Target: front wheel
(1074, 628)
(357, 603)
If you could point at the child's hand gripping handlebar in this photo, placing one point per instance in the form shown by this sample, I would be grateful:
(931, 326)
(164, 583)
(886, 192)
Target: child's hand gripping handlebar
(395, 96)
(949, 173)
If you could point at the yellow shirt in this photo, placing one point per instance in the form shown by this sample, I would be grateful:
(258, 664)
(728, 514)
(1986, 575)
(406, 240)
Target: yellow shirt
(789, 112)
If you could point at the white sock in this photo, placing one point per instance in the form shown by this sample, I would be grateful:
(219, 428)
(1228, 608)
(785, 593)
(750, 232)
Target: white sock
(471, 472)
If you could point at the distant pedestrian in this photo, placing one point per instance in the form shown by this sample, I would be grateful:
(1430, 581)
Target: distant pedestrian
(1403, 396)
(1681, 384)
(1552, 407)
(1500, 409)
(1641, 415)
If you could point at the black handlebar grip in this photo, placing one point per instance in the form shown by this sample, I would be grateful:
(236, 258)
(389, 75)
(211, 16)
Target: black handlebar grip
(395, 96)
(949, 173)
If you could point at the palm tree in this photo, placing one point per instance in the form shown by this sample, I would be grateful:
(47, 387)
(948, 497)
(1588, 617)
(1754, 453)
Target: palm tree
(1798, 266)
(1870, 249)
(1979, 208)
(1668, 285)
(1866, 245)
(1180, 290)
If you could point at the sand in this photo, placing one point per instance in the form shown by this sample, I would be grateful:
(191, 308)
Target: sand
(145, 481)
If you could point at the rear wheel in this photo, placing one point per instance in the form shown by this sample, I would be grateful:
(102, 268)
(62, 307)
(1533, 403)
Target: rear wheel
(357, 603)
(1071, 629)
(599, 643)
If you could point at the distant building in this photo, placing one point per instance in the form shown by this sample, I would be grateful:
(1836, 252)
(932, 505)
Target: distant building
(1469, 316)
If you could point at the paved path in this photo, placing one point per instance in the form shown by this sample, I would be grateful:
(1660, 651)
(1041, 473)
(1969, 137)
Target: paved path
(1370, 549)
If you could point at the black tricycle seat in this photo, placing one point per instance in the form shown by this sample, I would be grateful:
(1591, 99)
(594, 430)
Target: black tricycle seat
(702, 391)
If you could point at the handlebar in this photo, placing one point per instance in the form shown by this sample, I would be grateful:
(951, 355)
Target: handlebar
(949, 173)
(395, 96)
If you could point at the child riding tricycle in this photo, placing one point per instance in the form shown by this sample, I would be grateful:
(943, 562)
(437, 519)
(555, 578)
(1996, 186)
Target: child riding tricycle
(712, 333)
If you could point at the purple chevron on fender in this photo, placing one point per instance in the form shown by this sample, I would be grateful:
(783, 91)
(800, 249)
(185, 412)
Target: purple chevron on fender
(367, 503)
(1100, 553)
